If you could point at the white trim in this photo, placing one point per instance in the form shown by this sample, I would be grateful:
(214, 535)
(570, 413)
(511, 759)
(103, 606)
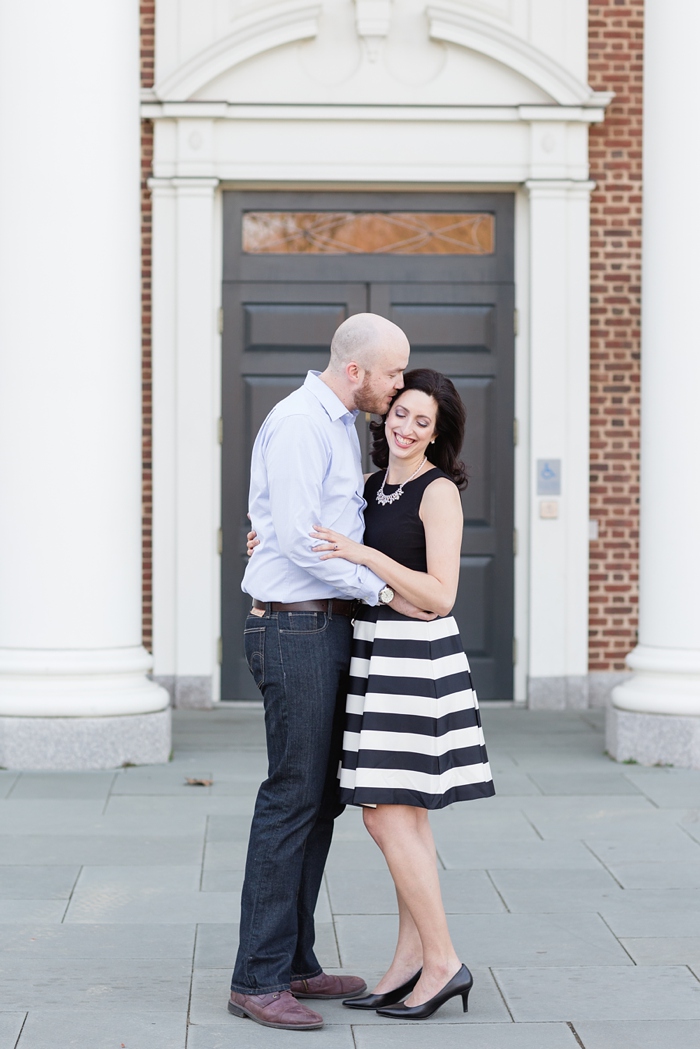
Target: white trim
(559, 407)
(542, 150)
(521, 619)
(186, 398)
(250, 35)
(157, 109)
(217, 263)
(164, 425)
(452, 24)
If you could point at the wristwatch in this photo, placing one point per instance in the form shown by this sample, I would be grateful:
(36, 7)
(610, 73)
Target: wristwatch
(385, 595)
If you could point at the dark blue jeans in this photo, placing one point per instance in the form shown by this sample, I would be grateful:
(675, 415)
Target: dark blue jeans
(300, 663)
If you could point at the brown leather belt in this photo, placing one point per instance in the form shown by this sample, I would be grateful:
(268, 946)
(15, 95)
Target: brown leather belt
(331, 607)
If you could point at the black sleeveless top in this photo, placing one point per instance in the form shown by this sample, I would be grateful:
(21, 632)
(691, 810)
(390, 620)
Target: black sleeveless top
(396, 529)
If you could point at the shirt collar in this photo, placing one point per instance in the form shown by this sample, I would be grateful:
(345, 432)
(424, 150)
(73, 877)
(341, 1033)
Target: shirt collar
(330, 402)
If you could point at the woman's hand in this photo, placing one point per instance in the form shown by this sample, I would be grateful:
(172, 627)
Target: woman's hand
(338, 545)
(252, 539)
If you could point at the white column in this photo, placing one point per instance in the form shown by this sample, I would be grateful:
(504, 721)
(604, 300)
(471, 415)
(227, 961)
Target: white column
(559, 383)
(73, 684)
(655, 716)
(186, 408)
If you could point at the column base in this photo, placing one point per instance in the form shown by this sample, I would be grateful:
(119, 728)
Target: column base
(558, 693)
(653, 739)
(187, 692)
(78, 683)
(40, 744)
(600, 686)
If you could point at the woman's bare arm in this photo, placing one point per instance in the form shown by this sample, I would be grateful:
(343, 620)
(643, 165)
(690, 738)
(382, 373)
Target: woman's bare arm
(436, 589)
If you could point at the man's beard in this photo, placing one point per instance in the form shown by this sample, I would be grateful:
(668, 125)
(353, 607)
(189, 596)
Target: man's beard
(367, 399)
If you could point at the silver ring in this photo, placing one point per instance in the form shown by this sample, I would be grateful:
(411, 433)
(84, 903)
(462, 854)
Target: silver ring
(335, 546)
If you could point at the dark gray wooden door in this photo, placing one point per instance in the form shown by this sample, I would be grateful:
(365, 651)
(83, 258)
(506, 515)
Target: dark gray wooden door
(280, 313)
(457, 329)
(277, 333)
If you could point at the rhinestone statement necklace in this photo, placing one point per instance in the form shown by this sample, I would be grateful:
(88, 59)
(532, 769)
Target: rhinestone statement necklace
(384, 499)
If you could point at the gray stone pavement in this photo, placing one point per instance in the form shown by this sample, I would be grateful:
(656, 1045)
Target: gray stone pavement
(574, 896)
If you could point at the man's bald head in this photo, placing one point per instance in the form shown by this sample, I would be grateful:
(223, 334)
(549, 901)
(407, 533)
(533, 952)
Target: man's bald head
(366, 339)
(369, 355)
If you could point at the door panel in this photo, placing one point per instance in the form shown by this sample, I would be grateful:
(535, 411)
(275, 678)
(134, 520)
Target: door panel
(478, 396)
(461, 330)
(457, 327)
(293, 326)
(273, 334)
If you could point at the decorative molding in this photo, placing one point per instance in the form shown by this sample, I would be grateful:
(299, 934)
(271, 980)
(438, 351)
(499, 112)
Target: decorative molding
(578, 114)
(289, 21)
(372, 19)
(449, 22)
(78, 683)
(251, 34)
(553, 188)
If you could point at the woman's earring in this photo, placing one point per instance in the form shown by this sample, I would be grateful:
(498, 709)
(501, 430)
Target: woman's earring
(433, 440)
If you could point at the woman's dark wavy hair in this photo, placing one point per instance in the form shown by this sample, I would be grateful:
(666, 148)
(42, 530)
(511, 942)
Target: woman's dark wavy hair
(451, 418)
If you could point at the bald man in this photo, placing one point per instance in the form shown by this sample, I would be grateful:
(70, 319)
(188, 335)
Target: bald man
(306, 470)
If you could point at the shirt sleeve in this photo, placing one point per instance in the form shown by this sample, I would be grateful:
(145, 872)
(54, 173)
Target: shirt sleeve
(298, 459)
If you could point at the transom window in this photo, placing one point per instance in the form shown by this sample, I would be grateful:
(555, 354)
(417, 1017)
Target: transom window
(368, 233)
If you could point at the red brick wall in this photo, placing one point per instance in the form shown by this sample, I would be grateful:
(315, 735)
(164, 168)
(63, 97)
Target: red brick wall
(147, 68)
(615, 31)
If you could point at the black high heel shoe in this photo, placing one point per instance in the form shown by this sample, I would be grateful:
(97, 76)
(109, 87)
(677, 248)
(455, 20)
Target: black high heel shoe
(461, 983)
(374, 1001)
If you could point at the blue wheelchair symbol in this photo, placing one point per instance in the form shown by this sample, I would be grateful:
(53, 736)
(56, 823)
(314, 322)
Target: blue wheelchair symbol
(549, 476)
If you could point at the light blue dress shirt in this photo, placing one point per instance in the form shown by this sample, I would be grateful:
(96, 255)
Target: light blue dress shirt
(307, 469)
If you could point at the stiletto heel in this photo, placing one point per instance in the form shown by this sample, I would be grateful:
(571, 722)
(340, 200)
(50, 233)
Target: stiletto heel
(465, 1001)
(375, 1001)
(460, 984)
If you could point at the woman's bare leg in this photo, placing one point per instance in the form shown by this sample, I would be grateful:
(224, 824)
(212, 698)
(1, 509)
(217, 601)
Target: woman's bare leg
(408, 956)
(404, 836)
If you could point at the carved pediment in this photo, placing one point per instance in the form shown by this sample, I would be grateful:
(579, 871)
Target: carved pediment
(364, 51)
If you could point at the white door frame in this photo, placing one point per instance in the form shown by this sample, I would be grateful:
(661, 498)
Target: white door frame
(538, 152)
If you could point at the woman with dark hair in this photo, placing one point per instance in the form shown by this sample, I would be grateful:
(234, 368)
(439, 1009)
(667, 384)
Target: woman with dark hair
(413, 739)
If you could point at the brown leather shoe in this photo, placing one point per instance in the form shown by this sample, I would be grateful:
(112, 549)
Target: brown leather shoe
(279, 1009)
(326, 986)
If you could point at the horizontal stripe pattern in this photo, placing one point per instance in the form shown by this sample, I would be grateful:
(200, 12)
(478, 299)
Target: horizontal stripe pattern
(413, 731)
(413, 743)
(414, 760)
(430, 688)
(420, 724)
(425, 782)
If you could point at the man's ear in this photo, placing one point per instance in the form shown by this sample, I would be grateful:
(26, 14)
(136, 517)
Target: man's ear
(354, 372)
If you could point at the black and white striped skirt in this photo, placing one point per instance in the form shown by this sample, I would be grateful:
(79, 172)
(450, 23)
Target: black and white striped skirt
(413, 732)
